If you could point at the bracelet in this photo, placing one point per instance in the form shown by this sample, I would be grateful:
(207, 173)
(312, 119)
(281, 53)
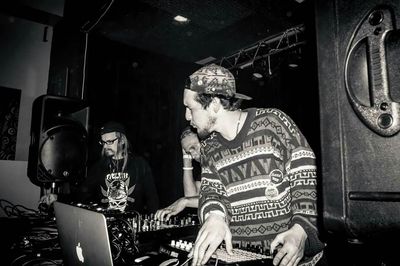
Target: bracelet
(187, 156)
(217, 212)
(187, 168)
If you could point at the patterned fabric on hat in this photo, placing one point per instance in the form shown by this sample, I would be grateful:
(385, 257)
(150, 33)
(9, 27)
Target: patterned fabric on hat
(213, 79)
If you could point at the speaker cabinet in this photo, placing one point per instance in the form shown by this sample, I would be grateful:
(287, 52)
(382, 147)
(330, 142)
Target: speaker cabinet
(58, 147)
(359, 85)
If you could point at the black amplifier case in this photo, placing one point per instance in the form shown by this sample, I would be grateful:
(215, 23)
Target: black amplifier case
(358, 46)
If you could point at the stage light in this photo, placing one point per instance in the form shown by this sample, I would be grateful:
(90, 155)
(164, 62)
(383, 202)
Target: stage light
(181, 19)
(257, 75)
(294, 60)
(262, 68)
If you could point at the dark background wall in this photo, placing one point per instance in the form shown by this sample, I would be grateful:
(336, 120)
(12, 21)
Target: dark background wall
(144, 92)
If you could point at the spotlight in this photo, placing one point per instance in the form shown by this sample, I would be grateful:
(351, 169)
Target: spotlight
(258, 71)
(181, 19)
(294, 59)
(257, 75)
(262, 69)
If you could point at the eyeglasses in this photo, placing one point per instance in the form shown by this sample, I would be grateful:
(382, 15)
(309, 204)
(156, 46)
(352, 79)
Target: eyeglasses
(108, 142)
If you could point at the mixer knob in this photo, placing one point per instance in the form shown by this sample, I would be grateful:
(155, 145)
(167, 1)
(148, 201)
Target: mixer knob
(189, 246)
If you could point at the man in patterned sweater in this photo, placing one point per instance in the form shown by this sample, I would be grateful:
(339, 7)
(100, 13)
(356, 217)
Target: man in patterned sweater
(258, 174)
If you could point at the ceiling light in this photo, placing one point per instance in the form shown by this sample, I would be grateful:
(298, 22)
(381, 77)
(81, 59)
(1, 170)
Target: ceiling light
(181, 19)
(257, 75)
(294, 60)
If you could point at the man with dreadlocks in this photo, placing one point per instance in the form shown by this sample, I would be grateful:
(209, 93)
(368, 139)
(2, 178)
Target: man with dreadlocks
(120, 180)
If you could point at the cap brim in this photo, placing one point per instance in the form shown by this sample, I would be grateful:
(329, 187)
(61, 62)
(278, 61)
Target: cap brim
(203, 89)
(242, 96)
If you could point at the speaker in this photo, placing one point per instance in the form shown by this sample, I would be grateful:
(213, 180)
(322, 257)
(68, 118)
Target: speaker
(358, 45)
(58, 147)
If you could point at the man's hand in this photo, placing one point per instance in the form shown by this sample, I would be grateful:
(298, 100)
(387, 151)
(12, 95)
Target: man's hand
(292, 251)
(173, 209)
(210, 236)
(48, 199)
(186, 155)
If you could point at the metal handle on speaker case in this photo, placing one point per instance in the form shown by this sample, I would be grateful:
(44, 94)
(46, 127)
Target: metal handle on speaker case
(383, 116)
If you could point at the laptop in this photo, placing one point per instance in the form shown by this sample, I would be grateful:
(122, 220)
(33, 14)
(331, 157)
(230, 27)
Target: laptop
(83, 236)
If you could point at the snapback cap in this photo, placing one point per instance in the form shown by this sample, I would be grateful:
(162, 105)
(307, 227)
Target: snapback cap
(112, 126)
(214, 79)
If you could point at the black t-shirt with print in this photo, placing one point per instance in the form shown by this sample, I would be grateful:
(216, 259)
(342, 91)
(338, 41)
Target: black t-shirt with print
(108, 185)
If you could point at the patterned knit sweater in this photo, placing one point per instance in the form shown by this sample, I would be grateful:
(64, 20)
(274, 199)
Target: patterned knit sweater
(264, 181)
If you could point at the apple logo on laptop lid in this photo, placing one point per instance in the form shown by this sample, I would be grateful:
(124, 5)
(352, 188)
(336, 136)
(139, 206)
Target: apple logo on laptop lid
(79, 253)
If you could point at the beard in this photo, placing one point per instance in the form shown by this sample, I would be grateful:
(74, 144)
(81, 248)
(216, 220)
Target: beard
(203, 133)
(108, 153)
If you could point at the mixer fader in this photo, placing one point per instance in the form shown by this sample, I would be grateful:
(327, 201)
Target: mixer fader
(181, 248)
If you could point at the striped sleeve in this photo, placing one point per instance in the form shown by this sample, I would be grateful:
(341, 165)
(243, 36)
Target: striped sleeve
(302, 173)
(213, 196)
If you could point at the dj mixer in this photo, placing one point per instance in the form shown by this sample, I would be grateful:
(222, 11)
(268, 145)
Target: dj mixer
(181, 248)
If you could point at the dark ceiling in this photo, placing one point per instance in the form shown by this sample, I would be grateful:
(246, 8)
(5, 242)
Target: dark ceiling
(217, 28)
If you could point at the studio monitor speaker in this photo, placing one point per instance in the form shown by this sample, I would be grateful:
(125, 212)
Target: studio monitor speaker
(358, 45)
(58, 146)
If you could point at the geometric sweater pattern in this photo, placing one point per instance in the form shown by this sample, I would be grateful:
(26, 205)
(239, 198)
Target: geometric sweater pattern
(264, 181)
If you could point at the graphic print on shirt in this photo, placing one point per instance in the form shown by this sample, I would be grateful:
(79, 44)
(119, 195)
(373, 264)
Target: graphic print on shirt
(274, 179)
(118, 192)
